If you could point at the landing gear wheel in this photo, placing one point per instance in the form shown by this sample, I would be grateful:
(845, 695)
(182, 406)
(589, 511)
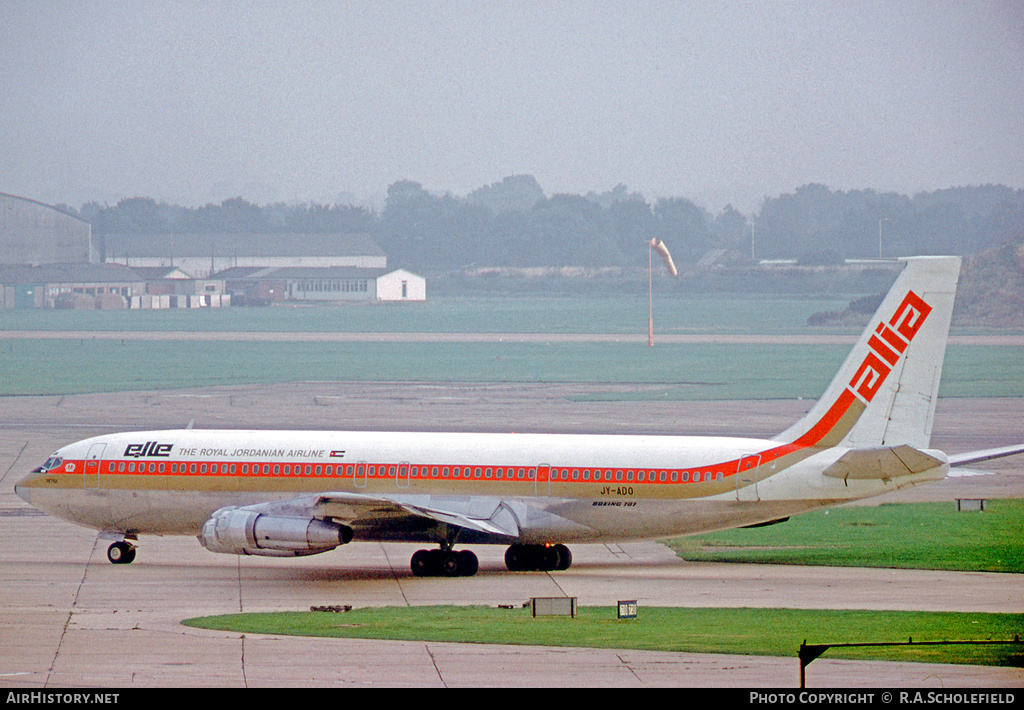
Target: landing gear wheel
(450, 566)
(468, 563)
(517, 558)
(564, 557)
(424, 563)
(544, 558)
(436, 563)
(121, 553)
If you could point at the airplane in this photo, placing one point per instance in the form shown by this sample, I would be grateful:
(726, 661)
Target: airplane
(290, 494)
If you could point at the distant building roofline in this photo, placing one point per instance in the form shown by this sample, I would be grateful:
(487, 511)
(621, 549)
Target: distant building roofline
(239, 244)
(43, 204)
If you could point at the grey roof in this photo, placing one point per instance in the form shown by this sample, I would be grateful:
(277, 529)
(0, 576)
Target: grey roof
(247, 273)
(67, 273)
(239, 245)
(152, 273)
(37, 203)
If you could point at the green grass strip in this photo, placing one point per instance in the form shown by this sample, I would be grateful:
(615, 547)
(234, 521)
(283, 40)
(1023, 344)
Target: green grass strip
(907, 536)
(760, 632)
(681, 372)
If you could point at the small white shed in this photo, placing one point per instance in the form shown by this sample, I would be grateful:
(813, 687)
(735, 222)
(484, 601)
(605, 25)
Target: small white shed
(401, 285)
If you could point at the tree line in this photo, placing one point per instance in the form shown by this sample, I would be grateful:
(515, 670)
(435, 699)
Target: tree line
(513, 223)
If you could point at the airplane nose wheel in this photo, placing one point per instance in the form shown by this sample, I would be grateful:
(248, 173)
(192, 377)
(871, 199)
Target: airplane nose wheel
(444, 563)
(121, 553)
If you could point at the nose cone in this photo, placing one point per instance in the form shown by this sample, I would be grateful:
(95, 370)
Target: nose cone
(22, 491)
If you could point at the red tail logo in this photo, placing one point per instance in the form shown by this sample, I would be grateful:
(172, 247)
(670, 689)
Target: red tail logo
(888, 343)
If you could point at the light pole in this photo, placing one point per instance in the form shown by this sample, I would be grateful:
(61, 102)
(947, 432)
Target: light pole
(884, 219)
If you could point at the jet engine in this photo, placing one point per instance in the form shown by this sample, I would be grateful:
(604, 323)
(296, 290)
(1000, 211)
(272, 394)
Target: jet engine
(246, 532)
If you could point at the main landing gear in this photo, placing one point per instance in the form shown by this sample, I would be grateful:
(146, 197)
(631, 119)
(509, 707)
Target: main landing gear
(446, 562)
(121, 552)
(543, 558)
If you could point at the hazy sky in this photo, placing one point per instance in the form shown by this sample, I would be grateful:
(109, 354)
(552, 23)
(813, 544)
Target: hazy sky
(193, 102)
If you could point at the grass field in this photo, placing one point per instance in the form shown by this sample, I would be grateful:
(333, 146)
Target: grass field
(518, 314)
(735, 631)
(703, 371)
(690, 372)
(910, 536)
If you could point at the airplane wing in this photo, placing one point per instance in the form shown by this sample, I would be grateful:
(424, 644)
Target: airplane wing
(355, 509)
(360, 511)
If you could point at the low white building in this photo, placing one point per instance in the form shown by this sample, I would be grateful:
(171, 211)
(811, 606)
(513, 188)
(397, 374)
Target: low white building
(401, 285)
(263, 286)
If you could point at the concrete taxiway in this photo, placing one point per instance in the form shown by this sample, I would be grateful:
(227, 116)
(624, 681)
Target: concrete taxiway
(70, 619)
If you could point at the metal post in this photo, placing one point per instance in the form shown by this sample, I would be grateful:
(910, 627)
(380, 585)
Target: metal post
(650, 295)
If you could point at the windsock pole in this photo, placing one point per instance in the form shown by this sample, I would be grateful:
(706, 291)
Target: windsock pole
(655, 244)
(650, 294)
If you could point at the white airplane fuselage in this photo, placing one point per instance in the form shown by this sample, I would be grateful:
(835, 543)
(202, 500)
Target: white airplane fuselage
(594, 487)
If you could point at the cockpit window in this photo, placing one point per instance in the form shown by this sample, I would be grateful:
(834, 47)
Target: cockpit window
(50, 464)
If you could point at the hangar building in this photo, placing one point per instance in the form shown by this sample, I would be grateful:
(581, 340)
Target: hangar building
(34, 233)
(202, 255)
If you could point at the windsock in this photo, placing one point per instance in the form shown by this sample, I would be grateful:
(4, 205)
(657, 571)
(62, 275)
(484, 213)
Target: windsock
(659, 246)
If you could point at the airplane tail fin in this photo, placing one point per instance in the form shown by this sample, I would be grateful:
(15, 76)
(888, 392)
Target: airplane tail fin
(885, 392)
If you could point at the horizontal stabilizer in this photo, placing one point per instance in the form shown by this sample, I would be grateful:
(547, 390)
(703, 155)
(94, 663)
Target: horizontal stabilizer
(972, 457)
(968, 472)
(882, 463)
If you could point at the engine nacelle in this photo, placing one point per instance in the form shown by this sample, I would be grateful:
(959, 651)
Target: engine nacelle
(245, 532)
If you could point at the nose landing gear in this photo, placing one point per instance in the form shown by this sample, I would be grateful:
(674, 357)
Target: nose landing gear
(121, 552)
